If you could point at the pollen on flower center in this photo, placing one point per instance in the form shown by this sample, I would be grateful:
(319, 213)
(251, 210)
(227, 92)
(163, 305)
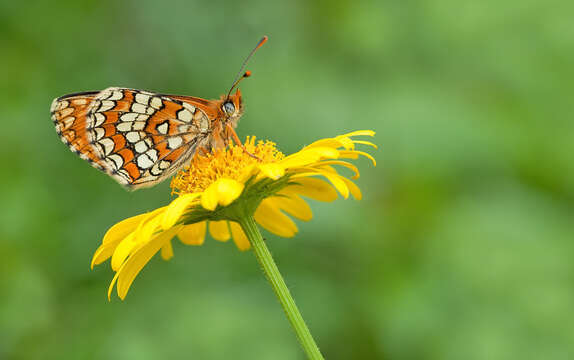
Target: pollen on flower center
(205, 169)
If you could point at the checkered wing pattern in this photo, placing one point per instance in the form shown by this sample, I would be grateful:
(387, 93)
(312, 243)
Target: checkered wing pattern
(137, 137)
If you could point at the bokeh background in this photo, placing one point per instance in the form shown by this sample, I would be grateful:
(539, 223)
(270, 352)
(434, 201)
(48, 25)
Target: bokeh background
(462, 247)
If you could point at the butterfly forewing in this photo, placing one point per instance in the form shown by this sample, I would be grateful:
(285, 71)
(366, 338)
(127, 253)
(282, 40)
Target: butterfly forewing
(137, 137)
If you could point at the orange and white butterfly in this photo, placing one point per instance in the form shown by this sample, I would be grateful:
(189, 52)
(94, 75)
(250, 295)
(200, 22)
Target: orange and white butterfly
(140, 138)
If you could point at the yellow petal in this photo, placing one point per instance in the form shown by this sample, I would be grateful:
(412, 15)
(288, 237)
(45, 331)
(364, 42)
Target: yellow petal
(354, 154)
(176, 209)
(111, 287)
(167, 251)
(223, 192)
(349, 166)
(368, 143)
(329, 142)
(116, 234)
(124, 227)
(339, 184)
(274, 220)
(353, 188)
(193, 234)
(272, 170)
(219, 230)
(309, 156)
(346, 142)
(313, 188)
(134, 264)
(150, 226)
(360, 133)
(239, 237)
(293, 205)
(123, 251)
(102, 254)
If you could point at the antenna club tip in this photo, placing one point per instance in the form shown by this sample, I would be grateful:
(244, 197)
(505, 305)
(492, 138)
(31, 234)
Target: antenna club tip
(262, 41)
(247, 74)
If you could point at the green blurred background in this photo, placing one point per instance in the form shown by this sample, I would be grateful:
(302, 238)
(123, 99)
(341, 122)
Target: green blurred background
(461, 248)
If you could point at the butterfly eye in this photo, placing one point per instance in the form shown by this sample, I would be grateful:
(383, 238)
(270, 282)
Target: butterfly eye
(229, 108)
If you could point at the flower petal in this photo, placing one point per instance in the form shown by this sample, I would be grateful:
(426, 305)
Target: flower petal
(349, 166)
(339, 184)
(134, 264)
(148, 228)
(309, 156)
(176, 209)
(355, 191)
(167, 250)
(293, 205)
(193, 234)
(272, 170)
(360, 133)
(329, 142)
(123, 251)
(116, 234)
(354, 154)
(313, 188)
(272, 219)
(239, 237)
(124, 227)
(219, 230)
(368, 143)
(223, 192)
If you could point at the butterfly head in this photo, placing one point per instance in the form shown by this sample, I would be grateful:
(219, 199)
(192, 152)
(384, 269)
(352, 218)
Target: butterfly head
(232, 107)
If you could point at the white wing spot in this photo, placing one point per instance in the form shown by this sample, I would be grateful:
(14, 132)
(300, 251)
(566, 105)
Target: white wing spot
(162, 128)
(66, 112)
(107, 105)
(116, 160)
(156, 102)
(189, 107)
(100, 118)
(124, 126)
(99, 133)
(62, 104)
(185, 115)
(138, 125)
(142, 99)
(152, 154)
(174, 142)
(116, 95)
(69, 121)
(133, 136)
(79, 102)
(139, 108)
(129, 116)
(141, 146)
(144, 162)
(108, 145)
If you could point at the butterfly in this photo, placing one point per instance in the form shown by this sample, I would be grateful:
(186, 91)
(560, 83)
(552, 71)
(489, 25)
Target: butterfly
(140, 138)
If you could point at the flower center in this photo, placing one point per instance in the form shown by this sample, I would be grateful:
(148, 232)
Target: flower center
(231, 163)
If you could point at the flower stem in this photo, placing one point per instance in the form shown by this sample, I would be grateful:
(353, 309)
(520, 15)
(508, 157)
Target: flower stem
(272, 273)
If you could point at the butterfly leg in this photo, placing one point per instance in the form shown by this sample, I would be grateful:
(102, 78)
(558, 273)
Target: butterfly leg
(231, 131)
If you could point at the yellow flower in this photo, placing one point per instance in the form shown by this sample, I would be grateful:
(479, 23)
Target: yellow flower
(217, 189)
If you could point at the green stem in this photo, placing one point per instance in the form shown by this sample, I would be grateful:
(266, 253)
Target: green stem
(272, 273)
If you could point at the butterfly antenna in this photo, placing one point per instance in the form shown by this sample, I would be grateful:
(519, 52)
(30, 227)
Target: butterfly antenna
(239, 75)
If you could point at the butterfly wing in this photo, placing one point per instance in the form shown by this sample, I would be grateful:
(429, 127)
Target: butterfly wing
(139, 138)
